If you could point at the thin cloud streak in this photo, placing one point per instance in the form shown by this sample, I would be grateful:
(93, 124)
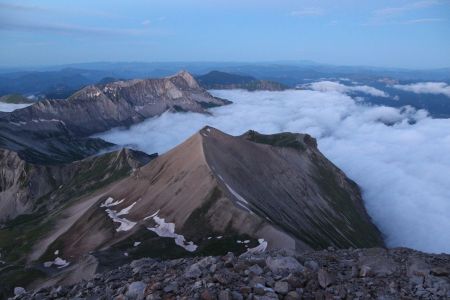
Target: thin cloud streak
(75, 29)
(393, 15)
(392, 11)
(21, 8)
(332, 86)
(423, 20)
(425, 88)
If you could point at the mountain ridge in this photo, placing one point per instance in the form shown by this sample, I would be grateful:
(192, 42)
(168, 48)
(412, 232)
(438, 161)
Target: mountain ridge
(223, 80)
(212, 194)
(57, 131)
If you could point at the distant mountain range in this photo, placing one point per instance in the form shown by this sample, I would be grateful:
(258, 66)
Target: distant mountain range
(61, 81)
(15, 99)
(221, 80)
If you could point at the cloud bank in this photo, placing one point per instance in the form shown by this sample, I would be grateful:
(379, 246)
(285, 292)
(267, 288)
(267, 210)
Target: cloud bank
(399, 157)
(332, 86)
(425, 88)
(8, 107)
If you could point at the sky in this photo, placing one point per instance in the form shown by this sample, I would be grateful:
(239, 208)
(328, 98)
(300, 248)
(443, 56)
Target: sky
(409, 34)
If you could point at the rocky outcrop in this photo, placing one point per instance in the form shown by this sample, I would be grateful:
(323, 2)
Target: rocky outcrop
(328, 274)
(55, 131)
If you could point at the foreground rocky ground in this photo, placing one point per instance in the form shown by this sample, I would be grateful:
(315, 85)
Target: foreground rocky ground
(330, 274)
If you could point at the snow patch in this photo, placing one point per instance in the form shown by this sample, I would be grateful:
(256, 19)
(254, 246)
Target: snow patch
(151, 216)
(110, 202)
(240, 200)
(136, 244)
(59, 262)
(239, 197)
(164, 229)
(8, 107)
(244, 207)
(46, 120)
(125, 224)
(258, 249)
(126, 210)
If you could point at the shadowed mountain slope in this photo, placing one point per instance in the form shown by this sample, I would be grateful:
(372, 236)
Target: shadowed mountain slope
(24, 183)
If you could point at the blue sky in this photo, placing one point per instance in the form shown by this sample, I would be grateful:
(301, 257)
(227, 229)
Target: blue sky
(412, 34)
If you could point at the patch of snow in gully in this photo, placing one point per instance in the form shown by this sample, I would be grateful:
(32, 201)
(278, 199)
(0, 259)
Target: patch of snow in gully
(164, 229)
(125, 224)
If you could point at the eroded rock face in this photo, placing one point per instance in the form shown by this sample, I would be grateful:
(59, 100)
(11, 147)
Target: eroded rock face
(22, 183)
(99, 108)
(166, 279)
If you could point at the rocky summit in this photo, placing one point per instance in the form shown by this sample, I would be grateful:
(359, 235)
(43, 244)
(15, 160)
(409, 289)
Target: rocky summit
(373, 273)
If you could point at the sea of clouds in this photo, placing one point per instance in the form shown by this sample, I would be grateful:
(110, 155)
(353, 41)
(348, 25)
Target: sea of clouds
(399, 157)
(8, 107)
(425, 88)
(333, 86)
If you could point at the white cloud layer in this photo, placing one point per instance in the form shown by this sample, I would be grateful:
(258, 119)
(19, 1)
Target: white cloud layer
(403, 168)
(425, 88)
(332, 86)
(10, 107)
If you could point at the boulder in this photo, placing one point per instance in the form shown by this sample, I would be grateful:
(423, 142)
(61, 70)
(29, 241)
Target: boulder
(136, 290)
(325, 279)
(280, 265)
